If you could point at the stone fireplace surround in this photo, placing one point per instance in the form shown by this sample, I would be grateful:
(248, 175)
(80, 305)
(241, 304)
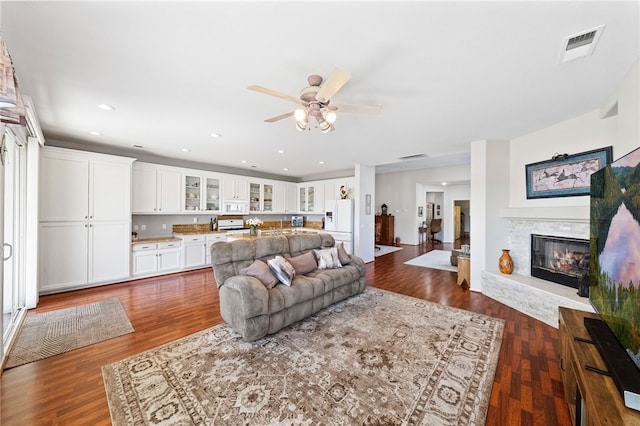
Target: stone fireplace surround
(533, 296)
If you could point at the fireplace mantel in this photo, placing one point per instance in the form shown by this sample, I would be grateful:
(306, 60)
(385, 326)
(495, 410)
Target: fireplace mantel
(577, 213)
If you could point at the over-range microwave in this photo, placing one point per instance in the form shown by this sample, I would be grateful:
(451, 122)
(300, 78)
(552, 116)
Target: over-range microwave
(235, 207)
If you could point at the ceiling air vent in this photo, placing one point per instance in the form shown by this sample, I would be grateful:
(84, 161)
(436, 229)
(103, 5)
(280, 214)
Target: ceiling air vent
(413, 157)
(580, 45)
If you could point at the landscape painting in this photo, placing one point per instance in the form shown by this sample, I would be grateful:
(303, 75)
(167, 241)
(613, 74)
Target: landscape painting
(565, 175)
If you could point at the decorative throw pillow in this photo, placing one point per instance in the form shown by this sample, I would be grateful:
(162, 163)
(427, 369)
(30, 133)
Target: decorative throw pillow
(261, 271)
(328, 258)
(342, 254)
(304, 263)
(282, 269)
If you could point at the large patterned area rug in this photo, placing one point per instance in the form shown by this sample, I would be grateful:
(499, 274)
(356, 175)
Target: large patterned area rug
(378, 358)
(51, 333)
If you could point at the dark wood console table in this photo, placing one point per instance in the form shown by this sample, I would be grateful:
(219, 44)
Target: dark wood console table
(602, 403)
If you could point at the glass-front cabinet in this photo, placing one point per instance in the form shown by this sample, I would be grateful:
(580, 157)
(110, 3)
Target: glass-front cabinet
(261, 197)
(307, 198)
(310, 198)
(201, 193)
(192, 190)
(212, 191)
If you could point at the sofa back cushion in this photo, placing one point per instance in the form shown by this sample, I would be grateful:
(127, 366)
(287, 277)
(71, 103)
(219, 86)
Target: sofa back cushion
(231, 258)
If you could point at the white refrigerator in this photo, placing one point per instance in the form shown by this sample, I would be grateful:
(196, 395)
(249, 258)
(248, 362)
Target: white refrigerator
(338, 221)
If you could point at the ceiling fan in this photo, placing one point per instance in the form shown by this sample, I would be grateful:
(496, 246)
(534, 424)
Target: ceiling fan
(314, 102)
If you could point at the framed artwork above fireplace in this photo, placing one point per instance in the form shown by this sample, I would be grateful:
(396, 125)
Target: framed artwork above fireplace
(565, 175)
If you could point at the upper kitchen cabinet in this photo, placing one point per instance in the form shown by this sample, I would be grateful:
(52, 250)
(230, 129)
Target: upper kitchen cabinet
(75, 186)
(156, 189)
(285, 194)
(332, 188)
(311, 197)
(201, 193)
(235, 188)
(261, 197)
(85, 219)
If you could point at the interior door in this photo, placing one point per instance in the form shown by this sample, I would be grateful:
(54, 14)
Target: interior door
(456, 223)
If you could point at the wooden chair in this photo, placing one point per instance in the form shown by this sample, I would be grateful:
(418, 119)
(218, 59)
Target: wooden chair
(434, 228)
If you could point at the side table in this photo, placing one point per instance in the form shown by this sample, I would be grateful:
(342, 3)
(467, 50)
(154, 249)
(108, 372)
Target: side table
(464, 269)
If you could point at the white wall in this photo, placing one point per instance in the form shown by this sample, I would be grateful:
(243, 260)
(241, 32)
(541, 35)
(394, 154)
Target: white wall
(583, 133)
(403, 192)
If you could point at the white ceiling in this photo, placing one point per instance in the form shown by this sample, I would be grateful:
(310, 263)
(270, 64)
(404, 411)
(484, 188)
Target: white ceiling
(446, 74)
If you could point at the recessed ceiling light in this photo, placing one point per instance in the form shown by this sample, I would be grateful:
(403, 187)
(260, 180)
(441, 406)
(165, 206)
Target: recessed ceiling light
(96, 133)
(185, 150)
(215, 135)
(281, 151)
(286, 169)
(321, 162)
(106, 107)
(244, 161)
(444, 183)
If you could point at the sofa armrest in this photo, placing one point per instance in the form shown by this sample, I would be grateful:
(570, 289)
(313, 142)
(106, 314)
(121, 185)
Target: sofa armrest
(253, 296)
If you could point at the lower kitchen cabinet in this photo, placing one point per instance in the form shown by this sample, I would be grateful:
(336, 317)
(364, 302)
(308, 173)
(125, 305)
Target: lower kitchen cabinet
(193, 247)
(77, 254)
(196, 249)
(156, 258)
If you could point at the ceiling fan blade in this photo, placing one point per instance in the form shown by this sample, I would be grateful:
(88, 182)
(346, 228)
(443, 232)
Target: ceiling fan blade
(279, 117)
(365, 109)
(277, 94)
(336, 80)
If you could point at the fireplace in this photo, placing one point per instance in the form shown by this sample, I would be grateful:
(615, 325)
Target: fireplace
(561, 260)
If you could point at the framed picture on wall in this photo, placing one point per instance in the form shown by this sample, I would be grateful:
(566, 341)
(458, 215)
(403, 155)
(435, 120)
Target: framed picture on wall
(420, 211)
(565, 175)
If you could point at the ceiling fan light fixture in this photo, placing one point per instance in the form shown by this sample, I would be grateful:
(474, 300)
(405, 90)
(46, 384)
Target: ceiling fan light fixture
(330, 116)
(325, 126)
(301, 125)
(300, 114)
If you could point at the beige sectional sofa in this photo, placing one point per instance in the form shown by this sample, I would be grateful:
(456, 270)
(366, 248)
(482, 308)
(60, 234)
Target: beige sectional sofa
(254, 306)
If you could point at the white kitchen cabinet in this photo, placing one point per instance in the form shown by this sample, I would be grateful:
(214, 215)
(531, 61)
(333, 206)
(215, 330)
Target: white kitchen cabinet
(168, 257)
(155, 258)
(311, 197)
(156, 189)
(211, 240)
(261, 197)
(332, 188)
(285, 197)
(85, 219)
(201, 193)
(193, 250)
(196, 249)
(236, 188)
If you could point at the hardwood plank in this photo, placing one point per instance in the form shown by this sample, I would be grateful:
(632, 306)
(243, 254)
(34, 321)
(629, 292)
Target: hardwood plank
(68, 388)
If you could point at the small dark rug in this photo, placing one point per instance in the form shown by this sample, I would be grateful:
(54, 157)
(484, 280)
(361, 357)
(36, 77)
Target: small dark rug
(378, 358)
(51, 333)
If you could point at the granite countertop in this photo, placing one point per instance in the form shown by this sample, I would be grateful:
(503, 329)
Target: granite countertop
(200, 232)
(155, 240)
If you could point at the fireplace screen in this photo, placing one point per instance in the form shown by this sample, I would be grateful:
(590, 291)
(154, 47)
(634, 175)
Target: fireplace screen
(559, 259)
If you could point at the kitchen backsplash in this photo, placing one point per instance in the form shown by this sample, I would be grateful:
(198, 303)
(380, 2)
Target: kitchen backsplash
(162, 225)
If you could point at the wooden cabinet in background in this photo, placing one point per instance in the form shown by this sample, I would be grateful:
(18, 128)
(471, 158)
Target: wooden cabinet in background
(384, 230)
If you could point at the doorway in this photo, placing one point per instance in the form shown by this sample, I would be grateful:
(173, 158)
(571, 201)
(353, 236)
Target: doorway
(461, 220)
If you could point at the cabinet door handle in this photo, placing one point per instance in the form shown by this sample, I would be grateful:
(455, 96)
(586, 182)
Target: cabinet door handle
(86, 217)
(10, 251)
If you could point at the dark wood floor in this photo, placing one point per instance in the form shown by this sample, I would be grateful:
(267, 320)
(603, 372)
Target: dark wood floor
(68, 388)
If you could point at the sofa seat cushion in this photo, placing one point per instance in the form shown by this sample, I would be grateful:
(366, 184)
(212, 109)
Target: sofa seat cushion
(302, 288)
(338, 277)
